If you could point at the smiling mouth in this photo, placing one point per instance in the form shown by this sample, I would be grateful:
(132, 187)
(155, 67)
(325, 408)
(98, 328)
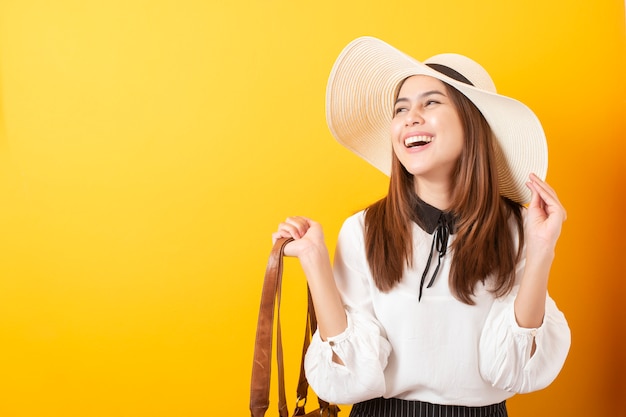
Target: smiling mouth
(415, 141)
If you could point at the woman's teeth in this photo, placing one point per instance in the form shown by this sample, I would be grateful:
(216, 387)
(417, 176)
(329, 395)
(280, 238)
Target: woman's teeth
(417, 141)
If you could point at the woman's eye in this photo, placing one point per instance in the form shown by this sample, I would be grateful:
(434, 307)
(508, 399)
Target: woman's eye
(400, 110)
(431, 102)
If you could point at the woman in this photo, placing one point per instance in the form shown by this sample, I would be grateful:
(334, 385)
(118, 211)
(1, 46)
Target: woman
(437, 302)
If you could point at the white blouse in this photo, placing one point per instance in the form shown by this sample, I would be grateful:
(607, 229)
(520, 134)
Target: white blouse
(437, 350)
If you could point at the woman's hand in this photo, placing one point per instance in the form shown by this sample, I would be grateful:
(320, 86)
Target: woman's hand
(545, 217)
(307, 233)
(311, 250)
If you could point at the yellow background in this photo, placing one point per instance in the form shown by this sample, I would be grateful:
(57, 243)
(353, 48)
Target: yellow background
(149, 148)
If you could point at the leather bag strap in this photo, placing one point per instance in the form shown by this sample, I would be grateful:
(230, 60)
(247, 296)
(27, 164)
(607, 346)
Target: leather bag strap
(261, 365)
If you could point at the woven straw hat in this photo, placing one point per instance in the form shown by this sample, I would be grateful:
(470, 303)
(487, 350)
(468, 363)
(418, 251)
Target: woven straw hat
(359, 107)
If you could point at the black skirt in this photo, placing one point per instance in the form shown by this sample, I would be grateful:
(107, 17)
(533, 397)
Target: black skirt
(393, 407)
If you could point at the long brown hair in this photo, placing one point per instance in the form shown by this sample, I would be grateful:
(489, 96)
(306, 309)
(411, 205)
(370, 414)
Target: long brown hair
(485, 244)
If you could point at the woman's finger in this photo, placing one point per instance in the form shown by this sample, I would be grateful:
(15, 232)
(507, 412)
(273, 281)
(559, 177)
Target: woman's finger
(544, 197)
(545, 190)
(280, 234)
(299, 224)
(544, 187)
(295, 227)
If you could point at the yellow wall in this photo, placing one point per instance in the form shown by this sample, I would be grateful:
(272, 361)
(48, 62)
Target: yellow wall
(149, 148)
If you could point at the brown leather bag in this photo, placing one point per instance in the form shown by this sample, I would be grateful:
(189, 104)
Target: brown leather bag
(261, 366)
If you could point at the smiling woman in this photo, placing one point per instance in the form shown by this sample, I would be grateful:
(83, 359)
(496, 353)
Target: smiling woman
(397, 330)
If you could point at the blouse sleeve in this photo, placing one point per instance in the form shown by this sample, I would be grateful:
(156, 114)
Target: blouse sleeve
(362, 347)
(505, 348)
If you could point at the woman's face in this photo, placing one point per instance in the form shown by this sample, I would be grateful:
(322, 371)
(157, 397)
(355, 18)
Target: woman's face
(426, 130)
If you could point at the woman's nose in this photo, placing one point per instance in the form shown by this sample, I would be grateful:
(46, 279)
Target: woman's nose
(414, 117)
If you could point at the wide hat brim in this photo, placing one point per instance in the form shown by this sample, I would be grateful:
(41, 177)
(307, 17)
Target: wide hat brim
(359, 105)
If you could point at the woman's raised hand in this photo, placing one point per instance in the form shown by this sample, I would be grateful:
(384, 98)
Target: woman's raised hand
(309, 246)
(545, 218)
(307, 234)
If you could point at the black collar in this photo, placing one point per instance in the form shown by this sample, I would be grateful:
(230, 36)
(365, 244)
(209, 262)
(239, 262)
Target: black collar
(440, 224)
(428, 217)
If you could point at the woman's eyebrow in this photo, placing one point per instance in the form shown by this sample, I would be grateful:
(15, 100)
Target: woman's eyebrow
(422, 95)
(401, 99)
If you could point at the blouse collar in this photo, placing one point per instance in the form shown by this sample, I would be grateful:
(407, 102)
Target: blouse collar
(440, 224)
(428, 217)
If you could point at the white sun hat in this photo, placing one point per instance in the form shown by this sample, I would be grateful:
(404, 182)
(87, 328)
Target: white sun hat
(360, 97)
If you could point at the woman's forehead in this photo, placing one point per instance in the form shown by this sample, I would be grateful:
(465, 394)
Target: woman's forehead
(421, 82)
